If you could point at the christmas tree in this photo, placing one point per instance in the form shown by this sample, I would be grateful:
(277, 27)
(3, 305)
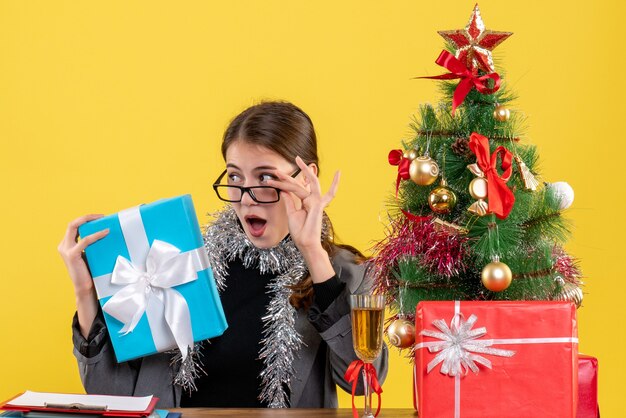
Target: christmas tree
(471, 219)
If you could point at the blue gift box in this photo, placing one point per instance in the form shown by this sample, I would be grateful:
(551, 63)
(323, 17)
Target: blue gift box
(169, 222)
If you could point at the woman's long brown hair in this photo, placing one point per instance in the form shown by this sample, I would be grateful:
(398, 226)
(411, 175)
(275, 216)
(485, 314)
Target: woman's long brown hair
(285, 129)
(302, 296)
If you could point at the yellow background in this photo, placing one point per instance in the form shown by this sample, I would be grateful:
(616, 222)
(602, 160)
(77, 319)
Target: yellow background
(104, 105)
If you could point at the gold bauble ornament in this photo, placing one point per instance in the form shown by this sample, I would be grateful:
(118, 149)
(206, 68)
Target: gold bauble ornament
(496, 276)
(441, 199)
(410, 154)
(424, 170)
(501, 113)
(401, 333)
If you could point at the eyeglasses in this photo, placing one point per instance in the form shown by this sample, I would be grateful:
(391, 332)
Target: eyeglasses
(260, 194)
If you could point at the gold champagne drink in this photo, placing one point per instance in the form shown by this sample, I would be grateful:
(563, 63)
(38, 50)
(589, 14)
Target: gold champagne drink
(367, 336)
(367, 312)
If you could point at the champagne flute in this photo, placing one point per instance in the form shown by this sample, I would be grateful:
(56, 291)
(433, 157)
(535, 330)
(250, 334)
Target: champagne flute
(367, 312)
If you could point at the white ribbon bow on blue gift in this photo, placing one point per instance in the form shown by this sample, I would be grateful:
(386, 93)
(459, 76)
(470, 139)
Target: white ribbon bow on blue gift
(165, 268)
(457, 344)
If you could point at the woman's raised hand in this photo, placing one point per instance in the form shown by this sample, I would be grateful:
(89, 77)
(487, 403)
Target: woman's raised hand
(71, 251)
(305, 206)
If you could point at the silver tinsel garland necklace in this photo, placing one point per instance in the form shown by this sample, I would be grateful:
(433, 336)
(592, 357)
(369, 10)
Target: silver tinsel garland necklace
(226, 241)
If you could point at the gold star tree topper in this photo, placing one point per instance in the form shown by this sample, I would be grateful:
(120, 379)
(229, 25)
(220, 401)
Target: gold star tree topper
(474, 43)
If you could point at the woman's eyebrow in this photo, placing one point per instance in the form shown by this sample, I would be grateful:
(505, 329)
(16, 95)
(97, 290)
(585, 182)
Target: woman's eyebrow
(265, 167)
(259, 168)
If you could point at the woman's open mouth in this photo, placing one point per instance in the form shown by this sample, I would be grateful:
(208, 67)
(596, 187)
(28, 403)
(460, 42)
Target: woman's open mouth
(256, 225)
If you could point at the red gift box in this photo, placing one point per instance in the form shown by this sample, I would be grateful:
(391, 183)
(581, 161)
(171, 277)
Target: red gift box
(496, 359)
(587, 387)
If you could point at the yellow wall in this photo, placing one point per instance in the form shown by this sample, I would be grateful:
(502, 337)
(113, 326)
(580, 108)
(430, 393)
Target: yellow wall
(104, 105)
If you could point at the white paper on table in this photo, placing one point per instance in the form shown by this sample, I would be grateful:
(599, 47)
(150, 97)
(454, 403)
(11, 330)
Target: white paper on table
(115, 403)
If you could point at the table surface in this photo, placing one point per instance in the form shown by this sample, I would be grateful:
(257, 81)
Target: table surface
(287, 413)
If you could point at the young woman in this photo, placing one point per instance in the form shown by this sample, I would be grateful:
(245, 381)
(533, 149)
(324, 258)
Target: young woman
(284, 283)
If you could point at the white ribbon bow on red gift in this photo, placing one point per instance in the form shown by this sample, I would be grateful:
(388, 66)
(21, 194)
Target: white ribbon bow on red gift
(165, 267)
(458, 342)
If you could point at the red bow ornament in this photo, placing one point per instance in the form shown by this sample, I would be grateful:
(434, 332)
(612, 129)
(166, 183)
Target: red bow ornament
(352, 376)
(396, 157)
(415, 218)
(500, 197)
(469, 78)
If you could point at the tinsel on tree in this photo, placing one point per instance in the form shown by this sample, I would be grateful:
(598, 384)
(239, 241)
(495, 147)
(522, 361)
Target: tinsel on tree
(471, 219)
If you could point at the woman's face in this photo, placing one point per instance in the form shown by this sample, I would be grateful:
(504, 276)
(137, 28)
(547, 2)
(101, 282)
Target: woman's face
(249, 165)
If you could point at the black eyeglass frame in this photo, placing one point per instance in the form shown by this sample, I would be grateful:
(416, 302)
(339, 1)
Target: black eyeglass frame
(249, 190)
